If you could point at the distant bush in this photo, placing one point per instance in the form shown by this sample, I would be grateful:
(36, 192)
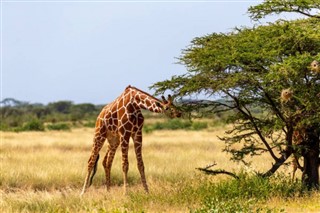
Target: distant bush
(89, 124)
(33, 125)
(3, 126)
(58, 126)
(175, 124)
(199, 125)
(16, 115)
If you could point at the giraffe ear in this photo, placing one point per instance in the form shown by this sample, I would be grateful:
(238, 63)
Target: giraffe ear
(164, 100)
(170, 98)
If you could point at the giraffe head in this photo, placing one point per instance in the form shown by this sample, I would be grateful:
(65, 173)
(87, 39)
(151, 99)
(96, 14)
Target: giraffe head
(169, 108)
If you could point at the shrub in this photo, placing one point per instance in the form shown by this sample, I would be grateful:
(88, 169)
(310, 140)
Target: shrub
(175, 124)
(33, 125)
(58, 126)
(199, 125)
(89, 124)
(3, 127)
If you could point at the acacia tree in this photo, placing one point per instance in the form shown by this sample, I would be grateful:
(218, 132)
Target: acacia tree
(274, 68)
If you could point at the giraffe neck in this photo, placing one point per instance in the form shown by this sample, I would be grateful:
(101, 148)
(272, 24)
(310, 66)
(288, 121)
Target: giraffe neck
(145, 101)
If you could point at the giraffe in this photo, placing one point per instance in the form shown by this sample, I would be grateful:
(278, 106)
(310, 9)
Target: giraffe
(117, 122)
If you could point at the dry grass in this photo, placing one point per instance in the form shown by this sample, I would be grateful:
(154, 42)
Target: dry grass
(44, 172)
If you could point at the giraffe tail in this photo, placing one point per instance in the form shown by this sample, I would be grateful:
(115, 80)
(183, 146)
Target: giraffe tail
(94, 170)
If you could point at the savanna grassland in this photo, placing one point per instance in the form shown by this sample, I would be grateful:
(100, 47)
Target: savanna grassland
(44, 172)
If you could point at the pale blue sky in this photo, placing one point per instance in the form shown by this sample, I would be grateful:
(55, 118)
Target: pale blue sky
(90, 51)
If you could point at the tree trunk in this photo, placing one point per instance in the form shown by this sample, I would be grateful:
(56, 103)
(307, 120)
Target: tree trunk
(310, 175)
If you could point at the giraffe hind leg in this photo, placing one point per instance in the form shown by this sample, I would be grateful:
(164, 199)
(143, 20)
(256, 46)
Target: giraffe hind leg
(107, 162)
(92, 163)
(94, 170)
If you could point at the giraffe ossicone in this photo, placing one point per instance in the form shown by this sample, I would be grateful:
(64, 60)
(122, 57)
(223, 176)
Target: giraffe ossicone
(119, 121)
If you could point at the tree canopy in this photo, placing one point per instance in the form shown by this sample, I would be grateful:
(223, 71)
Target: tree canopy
(274, 67)
(309, 8)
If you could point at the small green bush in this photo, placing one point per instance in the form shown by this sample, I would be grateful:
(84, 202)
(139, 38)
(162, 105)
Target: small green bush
(58, 126)
(33, 125)
(89, 124)
(148, 128)
(199, 125)
(175, 124)
(3, 127)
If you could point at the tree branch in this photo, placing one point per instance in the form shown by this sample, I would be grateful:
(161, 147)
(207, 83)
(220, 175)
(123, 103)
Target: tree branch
(208, 171)
(273, 105)
(270, 7)
(285, 155)
(249, 116)
(304, 13)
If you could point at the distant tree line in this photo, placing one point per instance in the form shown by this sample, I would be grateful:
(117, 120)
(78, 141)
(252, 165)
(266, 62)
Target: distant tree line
(19, 116)
(63, 115)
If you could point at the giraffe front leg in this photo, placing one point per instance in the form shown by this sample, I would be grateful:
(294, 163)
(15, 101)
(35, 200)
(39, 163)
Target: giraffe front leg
(138, 149)
(125, 162)
(125, 168)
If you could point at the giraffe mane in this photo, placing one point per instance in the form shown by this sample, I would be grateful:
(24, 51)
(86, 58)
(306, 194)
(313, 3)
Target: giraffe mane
(143, 92)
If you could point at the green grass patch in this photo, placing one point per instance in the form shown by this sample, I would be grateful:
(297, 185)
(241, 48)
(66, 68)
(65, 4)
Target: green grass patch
(249, 194)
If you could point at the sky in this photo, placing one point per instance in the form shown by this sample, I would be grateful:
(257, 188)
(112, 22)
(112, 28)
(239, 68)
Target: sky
(89, 51)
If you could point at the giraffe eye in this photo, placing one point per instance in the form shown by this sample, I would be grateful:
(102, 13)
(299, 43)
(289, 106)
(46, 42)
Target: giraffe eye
(158, 104)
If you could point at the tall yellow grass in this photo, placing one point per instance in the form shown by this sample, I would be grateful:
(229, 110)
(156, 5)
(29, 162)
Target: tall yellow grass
(44, 172)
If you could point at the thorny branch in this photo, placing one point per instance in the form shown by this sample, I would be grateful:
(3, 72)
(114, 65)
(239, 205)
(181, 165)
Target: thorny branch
(208, 171)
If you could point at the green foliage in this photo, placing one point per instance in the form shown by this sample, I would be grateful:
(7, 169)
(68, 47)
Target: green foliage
(33, 125)
(20, 116)
(58, 126)
(199, 125)
(310, 8)
(245, 194)
(80, 111)
(249, 68)
(233, 205)
(89, 124)
(248, 194)
(63, 107)
(175, 124)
